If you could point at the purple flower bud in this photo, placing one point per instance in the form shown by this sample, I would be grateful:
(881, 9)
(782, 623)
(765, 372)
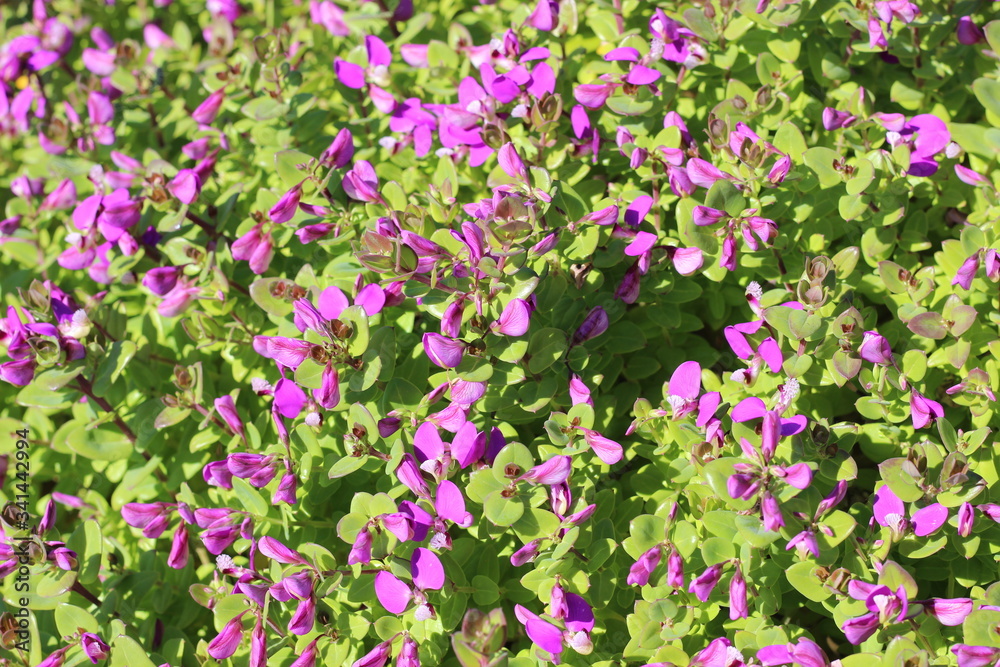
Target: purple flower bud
(975, 656)
(275, 550)
(228, 641)
(592, 326)
(525, 554)
(780, 170)
(340, 152)
(640, 572)
(284, 210)
(409, 474)
(361, 550)
(94, 647)
(377, 657)
(443, 352)
(967, 272)
(966, 517)
(511, 163)
(771, 510)
(308, 656)
(179, 552)
(875, 348)
(225, 406)
(704, 584)
(208, 110)
(738, 607)
(968, 32)
(554, 471)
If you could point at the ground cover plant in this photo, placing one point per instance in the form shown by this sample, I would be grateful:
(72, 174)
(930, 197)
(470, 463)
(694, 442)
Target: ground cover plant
(480, 334)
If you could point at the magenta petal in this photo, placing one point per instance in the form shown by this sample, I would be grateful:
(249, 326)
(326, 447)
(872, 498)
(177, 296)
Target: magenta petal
(275, 550)
(450, 504)
(771, 353)
(609, 451)
(579, 614)
(642, 242)
(705, 215)
(593, 95)
(687, 260)
(514, 320)
(511, 162)
(793, 425)
(378, 52)
(637, 210)
(738, 343)
(428, 573)
(927, 520)
(442, 351)
(641, 76)
(887, 503)
(747, 409)
(371, 298)
(289, 398)
(707, 405)
(799, 475)
(349, 74)
(467, 445)
(545, 635)
(427, 443)
(686, 380)
(392, 592)
(622, 53)
(332, 302)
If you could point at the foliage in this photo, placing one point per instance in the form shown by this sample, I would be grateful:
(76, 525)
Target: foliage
(499, 334)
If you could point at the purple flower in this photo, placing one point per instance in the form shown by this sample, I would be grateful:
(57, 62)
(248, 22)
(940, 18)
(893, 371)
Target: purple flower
(361, 183)
(442, 351)
(738, 596)
(378, 656)
(285, 208)
(890, 512)
(209, 109)
(514, 320)
(641, 570)
(228, 641)
(804, 653)
(703, 585)
(94, 647)
(966, 518)
(875, 348)
(923, 410)
(950, 612)
(967, 271)
(976, 656)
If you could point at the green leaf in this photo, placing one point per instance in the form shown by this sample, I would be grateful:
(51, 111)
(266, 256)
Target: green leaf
(70, 619)
(104, 443)
(265, 108)
(821, 160)
(486, 590)
(988, 93)
(250, 498)
(115, 359)
(546, 347)
(724, 196)
(88, 544)
(346, 465)
(126, 652)
(287, 165)
(356, 317)
(804, 577)
(752, 531)
(502, 511)
(717, 550)
(928, 325)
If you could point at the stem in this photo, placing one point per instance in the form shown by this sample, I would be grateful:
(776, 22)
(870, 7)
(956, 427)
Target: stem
(209, 229)
(205, 413)
(155, 124)
(426, 281)
(83, 385)
(85, 594)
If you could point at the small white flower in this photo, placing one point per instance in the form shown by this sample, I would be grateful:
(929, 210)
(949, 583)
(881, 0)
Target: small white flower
(387, 143)
(520, 111)
(444, 152)
(224, 562)
(313, 419)
(754, 290)
(260, 385)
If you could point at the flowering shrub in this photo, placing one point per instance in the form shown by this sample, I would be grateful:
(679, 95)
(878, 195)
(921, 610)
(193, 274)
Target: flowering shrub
(500, 334)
